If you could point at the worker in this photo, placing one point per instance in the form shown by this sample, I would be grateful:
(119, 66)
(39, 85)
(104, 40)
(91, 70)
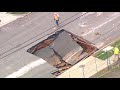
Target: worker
(116, 53)
(56, 18)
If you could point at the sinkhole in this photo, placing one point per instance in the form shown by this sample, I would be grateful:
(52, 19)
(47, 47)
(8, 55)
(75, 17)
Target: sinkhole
(63, 50)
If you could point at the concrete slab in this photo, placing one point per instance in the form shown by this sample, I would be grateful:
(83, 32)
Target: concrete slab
(64, 44)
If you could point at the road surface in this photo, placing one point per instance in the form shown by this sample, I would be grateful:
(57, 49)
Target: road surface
(18, 36)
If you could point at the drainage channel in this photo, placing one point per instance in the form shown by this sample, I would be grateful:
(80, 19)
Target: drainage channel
(62, 50)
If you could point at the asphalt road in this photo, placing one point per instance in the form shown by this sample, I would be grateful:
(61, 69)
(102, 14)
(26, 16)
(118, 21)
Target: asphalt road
(107, 25)
(14, 36)
(18, 32)
(18, 36)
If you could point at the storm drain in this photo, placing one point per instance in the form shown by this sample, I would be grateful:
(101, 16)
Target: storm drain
(62, 50)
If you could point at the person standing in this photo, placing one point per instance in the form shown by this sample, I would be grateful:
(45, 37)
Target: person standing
(116, 53)
(56, 18)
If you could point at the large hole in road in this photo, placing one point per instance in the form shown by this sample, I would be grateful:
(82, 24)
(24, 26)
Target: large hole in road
(63, 50)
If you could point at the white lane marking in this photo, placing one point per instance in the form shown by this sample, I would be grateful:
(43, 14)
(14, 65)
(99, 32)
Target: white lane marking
(93, 29)
(26, 68)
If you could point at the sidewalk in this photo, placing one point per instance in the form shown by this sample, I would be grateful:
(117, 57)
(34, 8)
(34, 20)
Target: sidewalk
(92, 66)
(7, 18)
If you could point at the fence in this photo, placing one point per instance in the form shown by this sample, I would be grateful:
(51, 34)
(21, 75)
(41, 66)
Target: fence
(90, 66)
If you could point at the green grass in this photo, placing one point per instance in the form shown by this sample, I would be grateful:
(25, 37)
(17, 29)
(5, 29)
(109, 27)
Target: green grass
(18, 12)
(104, 55)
